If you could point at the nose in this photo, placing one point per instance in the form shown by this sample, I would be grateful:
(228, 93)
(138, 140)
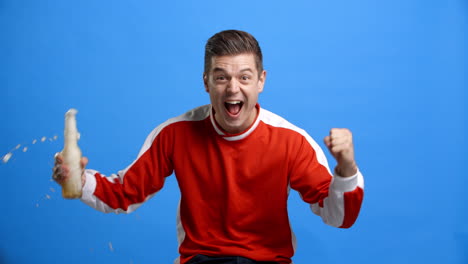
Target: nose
(233, 86)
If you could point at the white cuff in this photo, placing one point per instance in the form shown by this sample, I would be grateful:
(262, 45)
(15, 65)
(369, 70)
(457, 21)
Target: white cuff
(347, 184)
(90, 186)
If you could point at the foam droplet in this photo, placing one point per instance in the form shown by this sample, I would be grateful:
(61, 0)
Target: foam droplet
(55, 137)
(111, 248)
(34, 141)
(25, 149)
(43, 139)
(52, 189)
(37, 205)
(7, 157)
(18, 146)
(47, 197)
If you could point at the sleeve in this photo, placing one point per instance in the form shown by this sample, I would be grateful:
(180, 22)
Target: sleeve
(125, 191)
(337, 200)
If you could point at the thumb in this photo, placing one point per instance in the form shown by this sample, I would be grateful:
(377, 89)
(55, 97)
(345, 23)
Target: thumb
(327, 141)
(84, 162)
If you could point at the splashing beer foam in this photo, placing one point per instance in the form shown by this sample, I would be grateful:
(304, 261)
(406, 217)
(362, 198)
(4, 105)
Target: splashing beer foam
(24, 148)
(5, 158)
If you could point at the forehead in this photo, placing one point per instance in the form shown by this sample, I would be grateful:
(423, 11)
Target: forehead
(234, 63)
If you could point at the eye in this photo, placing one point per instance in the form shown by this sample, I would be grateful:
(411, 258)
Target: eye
(220, 78)
(245, 77)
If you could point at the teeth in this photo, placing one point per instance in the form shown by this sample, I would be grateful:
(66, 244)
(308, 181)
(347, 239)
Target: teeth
(233, 102)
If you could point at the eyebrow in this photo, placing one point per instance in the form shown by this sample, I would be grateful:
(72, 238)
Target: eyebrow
(218, 69)
(246, 69)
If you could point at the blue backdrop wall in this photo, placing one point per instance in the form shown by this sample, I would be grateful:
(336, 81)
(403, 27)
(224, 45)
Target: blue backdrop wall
(394, 72)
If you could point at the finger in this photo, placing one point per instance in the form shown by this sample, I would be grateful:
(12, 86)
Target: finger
(340, 131)
(58, 157)
(341, 134)
(61, 172)
(84, 162)
(335, 131)
(54, 173)
(57, 174)
(327, 141)
(340, 148)
(56, 169)
(340, 141)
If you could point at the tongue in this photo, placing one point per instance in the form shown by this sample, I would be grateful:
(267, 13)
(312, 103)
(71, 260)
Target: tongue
(233, 109)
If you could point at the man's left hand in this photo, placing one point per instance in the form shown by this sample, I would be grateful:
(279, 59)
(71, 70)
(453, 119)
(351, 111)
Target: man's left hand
(340, 145)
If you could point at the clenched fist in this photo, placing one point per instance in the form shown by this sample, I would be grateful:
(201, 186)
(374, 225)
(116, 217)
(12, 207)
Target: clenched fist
(340, 145)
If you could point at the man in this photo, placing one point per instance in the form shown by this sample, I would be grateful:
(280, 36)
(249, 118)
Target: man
(235, 163)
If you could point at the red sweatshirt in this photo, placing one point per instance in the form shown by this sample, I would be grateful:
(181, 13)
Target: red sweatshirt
(234, 188)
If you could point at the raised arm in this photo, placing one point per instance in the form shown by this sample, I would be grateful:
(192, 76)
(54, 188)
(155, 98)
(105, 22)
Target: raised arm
(336, 197)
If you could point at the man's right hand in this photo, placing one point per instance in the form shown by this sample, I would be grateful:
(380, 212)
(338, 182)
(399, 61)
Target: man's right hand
(60, 172)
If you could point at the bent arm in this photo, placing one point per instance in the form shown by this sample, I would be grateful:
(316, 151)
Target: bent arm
(337, 200)
(340, 208)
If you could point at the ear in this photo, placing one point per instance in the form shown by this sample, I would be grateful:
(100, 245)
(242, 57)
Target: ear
(205, 82)
(261, 81)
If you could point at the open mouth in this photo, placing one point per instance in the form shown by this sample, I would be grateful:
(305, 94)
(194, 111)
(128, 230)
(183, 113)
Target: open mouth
(233, 107)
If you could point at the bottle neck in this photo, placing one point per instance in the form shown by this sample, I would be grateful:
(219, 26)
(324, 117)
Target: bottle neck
(71, 133)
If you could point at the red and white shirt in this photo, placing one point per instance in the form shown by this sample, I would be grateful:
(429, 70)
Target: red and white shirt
(234, 188)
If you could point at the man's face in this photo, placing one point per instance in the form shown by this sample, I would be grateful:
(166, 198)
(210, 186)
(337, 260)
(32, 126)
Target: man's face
(234, 83)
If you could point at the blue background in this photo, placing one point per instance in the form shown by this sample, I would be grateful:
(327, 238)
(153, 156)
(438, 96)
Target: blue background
(394, 72)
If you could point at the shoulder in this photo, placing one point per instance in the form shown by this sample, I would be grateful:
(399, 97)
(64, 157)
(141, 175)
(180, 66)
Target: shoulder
(196, 114)
(274, 120)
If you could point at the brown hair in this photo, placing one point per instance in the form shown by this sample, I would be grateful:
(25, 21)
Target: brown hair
(232, 42)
